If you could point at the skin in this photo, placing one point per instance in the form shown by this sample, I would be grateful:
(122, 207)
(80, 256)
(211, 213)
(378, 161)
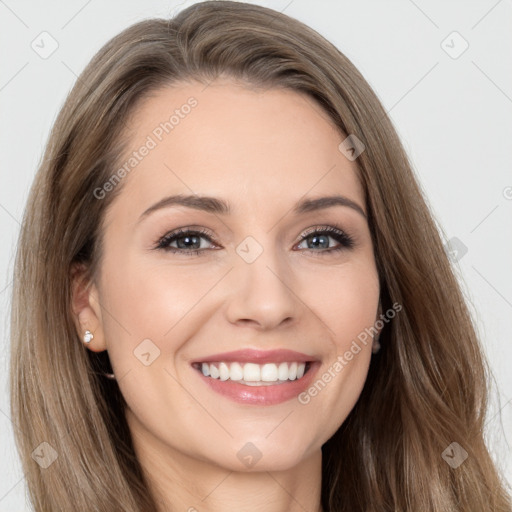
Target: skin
(246, 147)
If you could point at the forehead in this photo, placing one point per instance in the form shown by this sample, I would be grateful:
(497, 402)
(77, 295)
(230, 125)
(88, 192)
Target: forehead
(234, 142)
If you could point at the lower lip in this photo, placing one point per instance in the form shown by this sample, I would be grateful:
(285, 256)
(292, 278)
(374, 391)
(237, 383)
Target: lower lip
(261, 395)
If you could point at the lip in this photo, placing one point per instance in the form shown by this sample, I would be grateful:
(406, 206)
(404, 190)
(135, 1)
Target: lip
(261, 395)
(258, 356)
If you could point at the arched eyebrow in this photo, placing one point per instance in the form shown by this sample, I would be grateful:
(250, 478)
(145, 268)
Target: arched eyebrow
(319, 203)
(221, 207)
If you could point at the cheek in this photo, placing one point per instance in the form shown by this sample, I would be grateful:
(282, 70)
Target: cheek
(348, 309)
(153, 310)
(151, 314)
(148, 301)
(353, 313)
(347, 301)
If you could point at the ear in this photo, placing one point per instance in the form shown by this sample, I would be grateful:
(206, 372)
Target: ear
(86, 309)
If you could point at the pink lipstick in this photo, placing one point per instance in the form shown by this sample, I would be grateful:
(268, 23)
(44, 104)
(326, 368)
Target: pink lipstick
(256, 377)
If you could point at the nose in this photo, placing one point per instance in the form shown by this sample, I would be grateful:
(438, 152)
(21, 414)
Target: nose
(262, 293)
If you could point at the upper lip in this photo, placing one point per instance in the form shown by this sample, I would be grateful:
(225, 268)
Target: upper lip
(257, 356)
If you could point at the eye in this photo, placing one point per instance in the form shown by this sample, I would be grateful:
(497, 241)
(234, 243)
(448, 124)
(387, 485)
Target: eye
(318, 237)
(189, 241)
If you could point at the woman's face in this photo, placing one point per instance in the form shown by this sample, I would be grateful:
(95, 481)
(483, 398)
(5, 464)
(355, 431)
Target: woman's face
(268, 278)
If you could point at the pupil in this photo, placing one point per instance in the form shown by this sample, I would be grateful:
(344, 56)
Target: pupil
(316, 238)
(186, 240)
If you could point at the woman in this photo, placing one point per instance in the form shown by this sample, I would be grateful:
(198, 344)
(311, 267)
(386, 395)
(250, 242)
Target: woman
(190, 332)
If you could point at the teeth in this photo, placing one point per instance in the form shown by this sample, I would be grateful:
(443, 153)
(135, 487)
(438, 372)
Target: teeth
(223, 371)
(282, 371)
(236, 372)
(214, 372)
(254, 374)
(269, 373)
(292, 371)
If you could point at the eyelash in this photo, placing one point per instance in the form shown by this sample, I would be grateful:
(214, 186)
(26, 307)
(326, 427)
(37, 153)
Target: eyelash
(346, 241)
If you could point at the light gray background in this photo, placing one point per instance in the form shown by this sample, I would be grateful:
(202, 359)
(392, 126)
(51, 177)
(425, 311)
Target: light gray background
(453, 114)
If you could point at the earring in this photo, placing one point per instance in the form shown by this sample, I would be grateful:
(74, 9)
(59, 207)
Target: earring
(376, 345)
(88, 336)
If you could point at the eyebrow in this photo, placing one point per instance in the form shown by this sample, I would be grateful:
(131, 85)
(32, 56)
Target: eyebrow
(219, 206)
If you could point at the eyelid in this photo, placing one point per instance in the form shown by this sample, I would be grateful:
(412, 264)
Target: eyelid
(321, 227)
(206, 233)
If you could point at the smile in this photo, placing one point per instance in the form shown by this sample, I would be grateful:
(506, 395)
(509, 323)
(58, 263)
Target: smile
(253, 374)
(257, 384)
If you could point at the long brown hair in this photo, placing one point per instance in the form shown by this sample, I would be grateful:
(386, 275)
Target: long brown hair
(426, 389)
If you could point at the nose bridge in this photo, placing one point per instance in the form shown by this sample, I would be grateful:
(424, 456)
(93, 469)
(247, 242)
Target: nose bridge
(261, 283)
